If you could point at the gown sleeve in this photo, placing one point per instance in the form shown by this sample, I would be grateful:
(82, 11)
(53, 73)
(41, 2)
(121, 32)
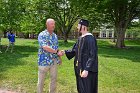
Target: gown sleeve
(92, 48)
(71, 53)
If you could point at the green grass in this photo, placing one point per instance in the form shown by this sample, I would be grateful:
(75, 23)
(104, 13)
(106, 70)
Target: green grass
(119, 69)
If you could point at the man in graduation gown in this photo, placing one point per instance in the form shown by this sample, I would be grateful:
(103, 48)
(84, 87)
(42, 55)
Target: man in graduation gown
(86, 60)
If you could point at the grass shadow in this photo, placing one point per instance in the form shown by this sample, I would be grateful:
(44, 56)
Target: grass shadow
(10, 60)
(131, 53)
(62, 43)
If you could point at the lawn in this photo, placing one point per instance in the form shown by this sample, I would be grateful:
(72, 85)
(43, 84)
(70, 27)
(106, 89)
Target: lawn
(119, 69)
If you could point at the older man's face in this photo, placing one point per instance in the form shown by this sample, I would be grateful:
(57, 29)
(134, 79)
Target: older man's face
(51, 26)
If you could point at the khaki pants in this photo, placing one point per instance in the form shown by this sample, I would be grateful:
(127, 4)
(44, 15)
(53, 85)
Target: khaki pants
(10, 44)
(43, 70)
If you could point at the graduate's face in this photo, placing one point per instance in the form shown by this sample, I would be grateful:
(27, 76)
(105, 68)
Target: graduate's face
(80, 29)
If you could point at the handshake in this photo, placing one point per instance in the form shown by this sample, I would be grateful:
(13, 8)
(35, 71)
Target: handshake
(61, 52)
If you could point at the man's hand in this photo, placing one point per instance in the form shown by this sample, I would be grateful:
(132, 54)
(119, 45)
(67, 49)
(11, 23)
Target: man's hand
(84, 74)
(60, 53)
(63, 52)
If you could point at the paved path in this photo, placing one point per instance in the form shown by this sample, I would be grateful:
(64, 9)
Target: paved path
(6, 91)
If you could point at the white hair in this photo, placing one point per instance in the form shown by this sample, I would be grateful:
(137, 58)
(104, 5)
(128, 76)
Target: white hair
(50, 20)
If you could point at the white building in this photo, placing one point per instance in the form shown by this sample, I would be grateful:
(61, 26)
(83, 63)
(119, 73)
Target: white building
(108, 32)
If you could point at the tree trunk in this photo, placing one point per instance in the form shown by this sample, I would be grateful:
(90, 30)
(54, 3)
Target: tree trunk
(65, 38)
(5, 33)
(120, 37)
(114, 38)
(26, 35)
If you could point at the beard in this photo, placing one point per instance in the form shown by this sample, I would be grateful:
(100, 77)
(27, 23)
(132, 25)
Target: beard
(79, 33)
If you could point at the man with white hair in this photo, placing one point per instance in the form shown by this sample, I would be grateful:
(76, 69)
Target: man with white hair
(48, 56)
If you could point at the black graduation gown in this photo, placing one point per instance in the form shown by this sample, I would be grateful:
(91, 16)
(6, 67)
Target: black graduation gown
(85, 52)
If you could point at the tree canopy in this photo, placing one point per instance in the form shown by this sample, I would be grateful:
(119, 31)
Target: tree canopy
(30, 15)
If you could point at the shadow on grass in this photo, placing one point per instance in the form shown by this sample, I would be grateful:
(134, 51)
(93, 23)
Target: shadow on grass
(11, 60)
(66, 45)
(107, 49)
(133, 42)
(62, 44)
(132, 53)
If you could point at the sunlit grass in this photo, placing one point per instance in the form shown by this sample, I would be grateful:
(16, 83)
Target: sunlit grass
(119, 69)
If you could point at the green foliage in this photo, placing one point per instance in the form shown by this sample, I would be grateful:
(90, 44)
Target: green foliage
(134, 29)
(11, 14)
(65, 14)
(120, 13)
(29, 16)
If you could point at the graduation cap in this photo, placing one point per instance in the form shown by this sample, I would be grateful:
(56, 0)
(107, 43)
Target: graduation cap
(84, 22)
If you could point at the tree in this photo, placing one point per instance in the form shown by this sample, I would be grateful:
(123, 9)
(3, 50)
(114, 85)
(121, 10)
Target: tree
(134, 28)
(121, 13)
(11, 14)
(30, 22)
(65, 14)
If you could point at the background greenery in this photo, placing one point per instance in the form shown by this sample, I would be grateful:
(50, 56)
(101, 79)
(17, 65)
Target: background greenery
(29, 16)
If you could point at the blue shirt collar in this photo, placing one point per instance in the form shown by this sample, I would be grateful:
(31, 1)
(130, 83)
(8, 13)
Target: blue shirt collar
(46, 31)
